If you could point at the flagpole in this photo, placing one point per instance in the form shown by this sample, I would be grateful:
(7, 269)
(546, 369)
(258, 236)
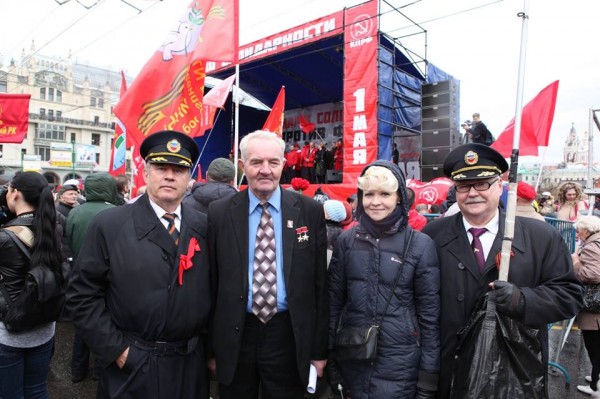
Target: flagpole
(511, 206)
(537, 182)
(236, 128)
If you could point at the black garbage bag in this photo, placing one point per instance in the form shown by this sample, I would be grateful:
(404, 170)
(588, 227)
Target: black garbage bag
(497, 357)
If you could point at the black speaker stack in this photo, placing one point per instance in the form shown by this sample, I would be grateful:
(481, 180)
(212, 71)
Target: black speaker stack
(439, 126)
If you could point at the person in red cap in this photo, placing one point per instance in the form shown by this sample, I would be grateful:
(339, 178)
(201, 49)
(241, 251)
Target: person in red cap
(525, 197)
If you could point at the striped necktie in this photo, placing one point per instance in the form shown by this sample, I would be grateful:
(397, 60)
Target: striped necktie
(170, 217)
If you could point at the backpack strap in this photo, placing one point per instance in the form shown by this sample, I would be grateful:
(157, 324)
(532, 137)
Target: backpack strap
(3, 290)
(17, 238)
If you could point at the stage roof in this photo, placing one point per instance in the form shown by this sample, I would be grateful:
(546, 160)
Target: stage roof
(312, 74)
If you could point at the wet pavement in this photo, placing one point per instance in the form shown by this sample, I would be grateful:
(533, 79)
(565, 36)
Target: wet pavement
(573, 359)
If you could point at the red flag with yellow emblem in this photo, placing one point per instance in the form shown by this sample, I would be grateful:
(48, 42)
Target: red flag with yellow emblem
(168, 92)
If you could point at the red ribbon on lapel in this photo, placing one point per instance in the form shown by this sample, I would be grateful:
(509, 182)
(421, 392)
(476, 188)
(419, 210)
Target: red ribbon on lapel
(499, 258)
(185, 260)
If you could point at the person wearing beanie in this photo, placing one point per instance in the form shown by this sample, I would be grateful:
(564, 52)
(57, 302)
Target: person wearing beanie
(525, 197)
(334, 211)
(218, 184)
(335, 214)
(362, 277)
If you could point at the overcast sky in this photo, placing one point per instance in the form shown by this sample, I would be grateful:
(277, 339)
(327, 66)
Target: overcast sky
(476, 41)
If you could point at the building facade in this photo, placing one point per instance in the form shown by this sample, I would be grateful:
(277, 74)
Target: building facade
(573, 168)
(71, 123)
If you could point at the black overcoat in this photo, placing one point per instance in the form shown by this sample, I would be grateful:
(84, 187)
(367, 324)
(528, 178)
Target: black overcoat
(125, 286)
(541, 267)
(304, 266)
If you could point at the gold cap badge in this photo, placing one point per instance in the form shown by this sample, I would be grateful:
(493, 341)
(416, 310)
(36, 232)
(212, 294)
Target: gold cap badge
(173, 146)
(471, 158)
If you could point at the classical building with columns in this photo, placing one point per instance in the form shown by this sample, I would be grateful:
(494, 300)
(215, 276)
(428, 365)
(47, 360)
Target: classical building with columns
(70, 116)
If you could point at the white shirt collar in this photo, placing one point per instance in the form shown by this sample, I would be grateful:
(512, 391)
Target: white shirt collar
(160, 211)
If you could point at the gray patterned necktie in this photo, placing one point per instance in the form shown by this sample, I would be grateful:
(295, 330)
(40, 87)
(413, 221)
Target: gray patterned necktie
(264, 279)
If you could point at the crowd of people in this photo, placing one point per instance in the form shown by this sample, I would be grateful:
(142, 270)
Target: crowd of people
(312, 161)
(264, 287)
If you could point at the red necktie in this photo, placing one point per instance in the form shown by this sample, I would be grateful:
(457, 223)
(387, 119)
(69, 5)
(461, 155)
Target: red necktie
(477, 247)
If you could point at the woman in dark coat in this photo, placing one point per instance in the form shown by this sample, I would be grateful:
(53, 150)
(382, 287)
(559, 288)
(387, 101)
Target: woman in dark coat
(362, 273)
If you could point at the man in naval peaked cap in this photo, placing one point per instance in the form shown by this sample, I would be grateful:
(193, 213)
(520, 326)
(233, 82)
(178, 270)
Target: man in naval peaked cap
(141, 292)
(541, 287)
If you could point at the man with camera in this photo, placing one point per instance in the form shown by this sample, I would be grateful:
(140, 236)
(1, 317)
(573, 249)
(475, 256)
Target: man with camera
(477, 131)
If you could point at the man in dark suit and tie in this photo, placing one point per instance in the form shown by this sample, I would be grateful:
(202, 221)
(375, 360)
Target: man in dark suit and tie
(268, 253)
(140, 293)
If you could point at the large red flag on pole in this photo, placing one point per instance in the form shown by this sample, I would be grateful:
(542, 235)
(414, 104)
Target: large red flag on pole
(167, 94)
(118, 152)
(536, 121)
(14, 117)
(274, 122)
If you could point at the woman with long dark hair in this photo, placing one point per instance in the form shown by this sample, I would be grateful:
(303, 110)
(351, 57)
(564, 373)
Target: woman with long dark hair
(25, 356)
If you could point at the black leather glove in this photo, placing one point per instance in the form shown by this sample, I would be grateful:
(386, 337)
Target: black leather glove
(424, 394)
(509, 299)
(426, 385)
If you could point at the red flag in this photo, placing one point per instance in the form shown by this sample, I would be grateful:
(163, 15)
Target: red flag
(305, 125)
(119, 146)
(14, 117)
(274, 122)
(168, 92)
(536, 121)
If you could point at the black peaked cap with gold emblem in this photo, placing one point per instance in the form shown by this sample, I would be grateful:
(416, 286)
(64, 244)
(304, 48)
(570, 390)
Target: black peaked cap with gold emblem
(169, 146)
(474, 161)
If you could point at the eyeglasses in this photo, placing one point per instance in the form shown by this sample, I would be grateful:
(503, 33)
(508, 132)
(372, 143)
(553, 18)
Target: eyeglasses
(480, 186)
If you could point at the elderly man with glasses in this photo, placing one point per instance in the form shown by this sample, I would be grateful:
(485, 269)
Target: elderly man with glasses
(541, 287)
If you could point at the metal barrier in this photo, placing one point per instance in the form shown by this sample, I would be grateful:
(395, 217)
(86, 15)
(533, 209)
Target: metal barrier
(566, 231)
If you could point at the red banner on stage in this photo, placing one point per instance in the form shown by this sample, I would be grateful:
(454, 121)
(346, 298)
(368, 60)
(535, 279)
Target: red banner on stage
(301, 35)
(360, 89)
(14, 117)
